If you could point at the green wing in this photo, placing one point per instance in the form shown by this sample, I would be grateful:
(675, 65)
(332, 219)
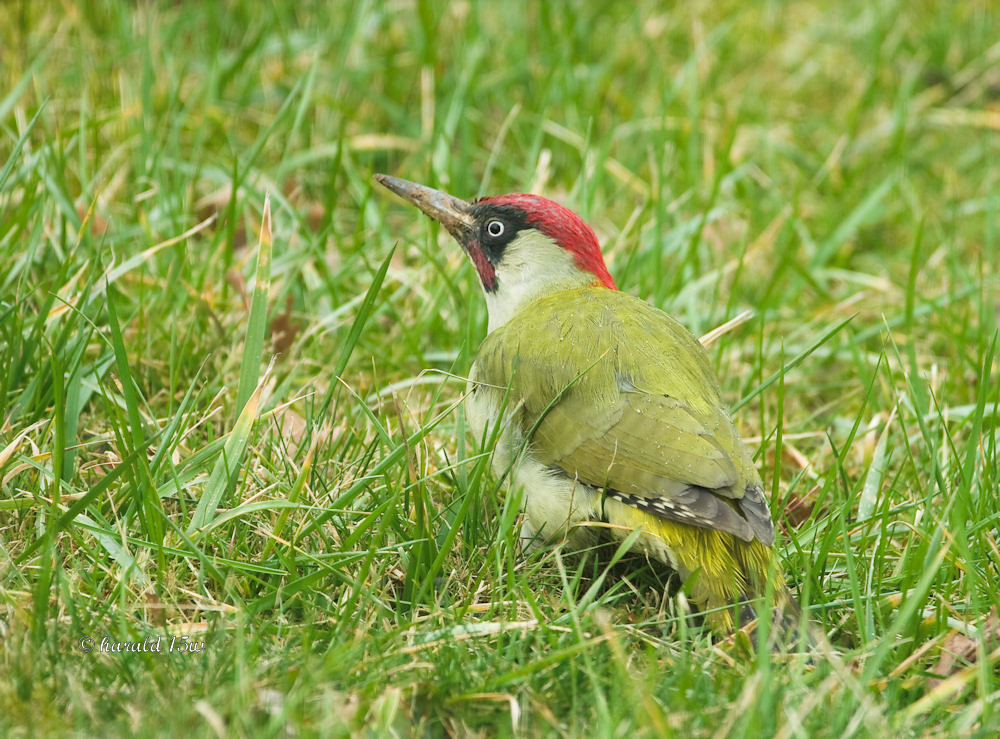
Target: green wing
(642, 417)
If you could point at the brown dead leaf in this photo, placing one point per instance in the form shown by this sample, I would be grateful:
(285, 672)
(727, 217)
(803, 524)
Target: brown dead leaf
(315, 215)
(236, 281)
(239, 239)
(960, 650)
(800, 507)
(283, 329)
(155, 610)
(290, 423)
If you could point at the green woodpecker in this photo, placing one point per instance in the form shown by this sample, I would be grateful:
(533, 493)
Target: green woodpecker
(611, 409)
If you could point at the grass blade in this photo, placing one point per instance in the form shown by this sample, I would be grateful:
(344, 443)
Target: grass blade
(253, 346)
(222, 480)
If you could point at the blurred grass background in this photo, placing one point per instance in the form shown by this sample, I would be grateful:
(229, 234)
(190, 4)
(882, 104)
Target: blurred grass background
(186, 193)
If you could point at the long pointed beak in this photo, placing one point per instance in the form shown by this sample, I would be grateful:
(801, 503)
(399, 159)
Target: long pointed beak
(451, 212)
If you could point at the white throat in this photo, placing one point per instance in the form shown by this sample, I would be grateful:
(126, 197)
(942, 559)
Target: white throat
(533, 266)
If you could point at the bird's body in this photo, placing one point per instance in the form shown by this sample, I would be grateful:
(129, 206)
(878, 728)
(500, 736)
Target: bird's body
(654, 447)
(607, 411)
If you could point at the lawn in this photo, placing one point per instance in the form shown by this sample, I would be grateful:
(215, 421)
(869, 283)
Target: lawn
(231, 366)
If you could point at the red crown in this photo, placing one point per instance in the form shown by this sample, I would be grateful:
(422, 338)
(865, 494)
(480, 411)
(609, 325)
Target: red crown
(564, 227)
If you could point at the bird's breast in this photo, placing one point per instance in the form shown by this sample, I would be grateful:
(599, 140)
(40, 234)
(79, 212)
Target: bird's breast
(482, 408)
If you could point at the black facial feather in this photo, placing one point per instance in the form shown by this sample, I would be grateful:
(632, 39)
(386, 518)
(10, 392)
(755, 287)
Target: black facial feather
(497, 226)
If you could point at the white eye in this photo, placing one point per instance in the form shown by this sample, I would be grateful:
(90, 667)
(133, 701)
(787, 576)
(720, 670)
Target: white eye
(494, 228)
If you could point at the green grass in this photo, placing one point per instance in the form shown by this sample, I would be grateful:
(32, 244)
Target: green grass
(321, 523)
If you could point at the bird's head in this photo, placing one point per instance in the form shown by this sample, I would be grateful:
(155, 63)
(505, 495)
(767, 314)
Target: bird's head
(524, 247)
